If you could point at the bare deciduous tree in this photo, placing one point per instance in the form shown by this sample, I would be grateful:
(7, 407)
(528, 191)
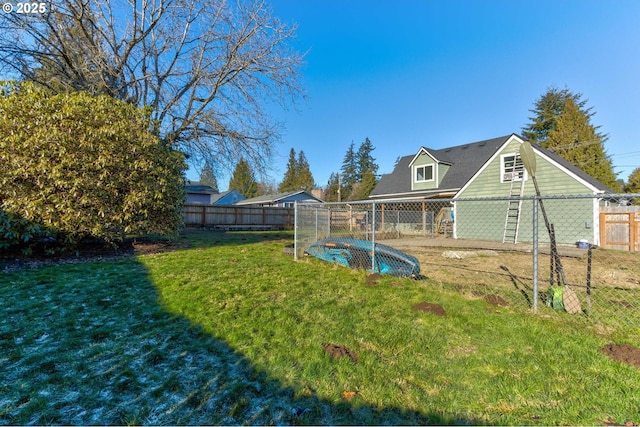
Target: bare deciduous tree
(206, 69)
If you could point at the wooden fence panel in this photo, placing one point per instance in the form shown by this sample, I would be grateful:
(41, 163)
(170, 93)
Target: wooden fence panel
(238, 216)
(620, 228)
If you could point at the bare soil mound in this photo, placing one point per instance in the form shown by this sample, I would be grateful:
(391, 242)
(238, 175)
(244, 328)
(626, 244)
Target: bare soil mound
(623, 353)
(373, 279)
(430, 308)
(496, 300)
(336, 351)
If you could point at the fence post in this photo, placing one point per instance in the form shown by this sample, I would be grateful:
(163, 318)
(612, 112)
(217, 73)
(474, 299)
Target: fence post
(633, 232)
(424, 220)
(535, 255)
(373, 237)
(295, 230)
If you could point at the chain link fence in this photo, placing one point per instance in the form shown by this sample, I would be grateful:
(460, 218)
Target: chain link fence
(553, 255)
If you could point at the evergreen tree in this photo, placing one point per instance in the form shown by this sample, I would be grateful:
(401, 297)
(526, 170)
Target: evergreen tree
(243, 180)
(304, 178)
(366, 162)
(331, 192)
(547, 109)
(574, 139)
(361, 190)
(208, 177)
(289, 181)
(298, 174)
(369, 182)
(633, 186)
(349, 172)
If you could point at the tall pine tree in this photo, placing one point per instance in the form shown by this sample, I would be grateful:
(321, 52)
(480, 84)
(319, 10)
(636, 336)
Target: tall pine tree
(633, 185)
(349, 172)
(304, 178)
(367, 169)
(562, 123)
(298, 174)
(243, 180)
(366, 162)
(546, 110)
(574, 139)
(208, 177)
(289, 181)
(332, 191)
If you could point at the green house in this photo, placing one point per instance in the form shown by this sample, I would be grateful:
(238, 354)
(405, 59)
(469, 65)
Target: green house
(492, 170)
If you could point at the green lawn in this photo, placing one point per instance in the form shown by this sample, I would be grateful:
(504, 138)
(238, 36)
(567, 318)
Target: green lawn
(231, 331)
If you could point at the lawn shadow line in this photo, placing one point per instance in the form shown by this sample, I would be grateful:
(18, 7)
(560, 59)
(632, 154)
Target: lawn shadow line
(94, 343)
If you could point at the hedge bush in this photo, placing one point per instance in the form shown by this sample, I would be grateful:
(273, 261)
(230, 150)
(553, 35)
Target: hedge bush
(16, 231)
(86, 165)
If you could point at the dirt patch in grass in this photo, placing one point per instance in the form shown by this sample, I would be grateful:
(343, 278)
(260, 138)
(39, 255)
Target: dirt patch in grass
(430, 308)
(623, 353)
(496, 300)
(373, 279)
(336, 351)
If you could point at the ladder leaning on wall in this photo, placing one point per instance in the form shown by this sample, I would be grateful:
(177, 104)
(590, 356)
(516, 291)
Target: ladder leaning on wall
(514, 205)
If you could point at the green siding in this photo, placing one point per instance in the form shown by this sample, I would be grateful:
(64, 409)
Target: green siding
(484, 220)
(572, 219)
(442, 171)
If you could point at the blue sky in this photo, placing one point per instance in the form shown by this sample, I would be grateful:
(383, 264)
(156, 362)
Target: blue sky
(408, 73)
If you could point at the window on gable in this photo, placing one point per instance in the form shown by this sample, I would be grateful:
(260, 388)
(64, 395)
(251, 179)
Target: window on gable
(424, 173)
(512, 168)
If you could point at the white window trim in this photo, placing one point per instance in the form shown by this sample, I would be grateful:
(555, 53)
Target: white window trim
(502, 170)
(433, 173)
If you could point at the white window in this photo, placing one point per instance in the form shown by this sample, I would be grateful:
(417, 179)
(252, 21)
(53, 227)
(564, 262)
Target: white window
(511, 168)
(423, 173)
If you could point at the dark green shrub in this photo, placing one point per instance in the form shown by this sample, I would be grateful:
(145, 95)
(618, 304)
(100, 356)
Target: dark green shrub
(86, 165)
(17, 231)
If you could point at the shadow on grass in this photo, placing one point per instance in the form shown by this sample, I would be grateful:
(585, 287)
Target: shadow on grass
(92, 344)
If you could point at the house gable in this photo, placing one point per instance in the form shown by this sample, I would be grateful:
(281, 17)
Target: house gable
(427, 171)
(229, 197)
(554, 175)
(424, 172)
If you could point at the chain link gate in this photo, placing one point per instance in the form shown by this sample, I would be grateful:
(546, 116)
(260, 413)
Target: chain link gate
(463, 245)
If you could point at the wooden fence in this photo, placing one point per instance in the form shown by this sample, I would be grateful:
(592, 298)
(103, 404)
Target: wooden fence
(620, 228)
(239, 217)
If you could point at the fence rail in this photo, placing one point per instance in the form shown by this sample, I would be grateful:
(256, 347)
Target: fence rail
(454, 240)
(250, 217)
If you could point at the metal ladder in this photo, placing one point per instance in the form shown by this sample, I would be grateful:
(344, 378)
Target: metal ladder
(514, 207)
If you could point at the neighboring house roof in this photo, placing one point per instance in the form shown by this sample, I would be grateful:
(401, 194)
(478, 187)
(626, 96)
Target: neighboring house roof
(199, 188)
(277, 198)
(229, 197)
(200, 193)
(465, 162)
